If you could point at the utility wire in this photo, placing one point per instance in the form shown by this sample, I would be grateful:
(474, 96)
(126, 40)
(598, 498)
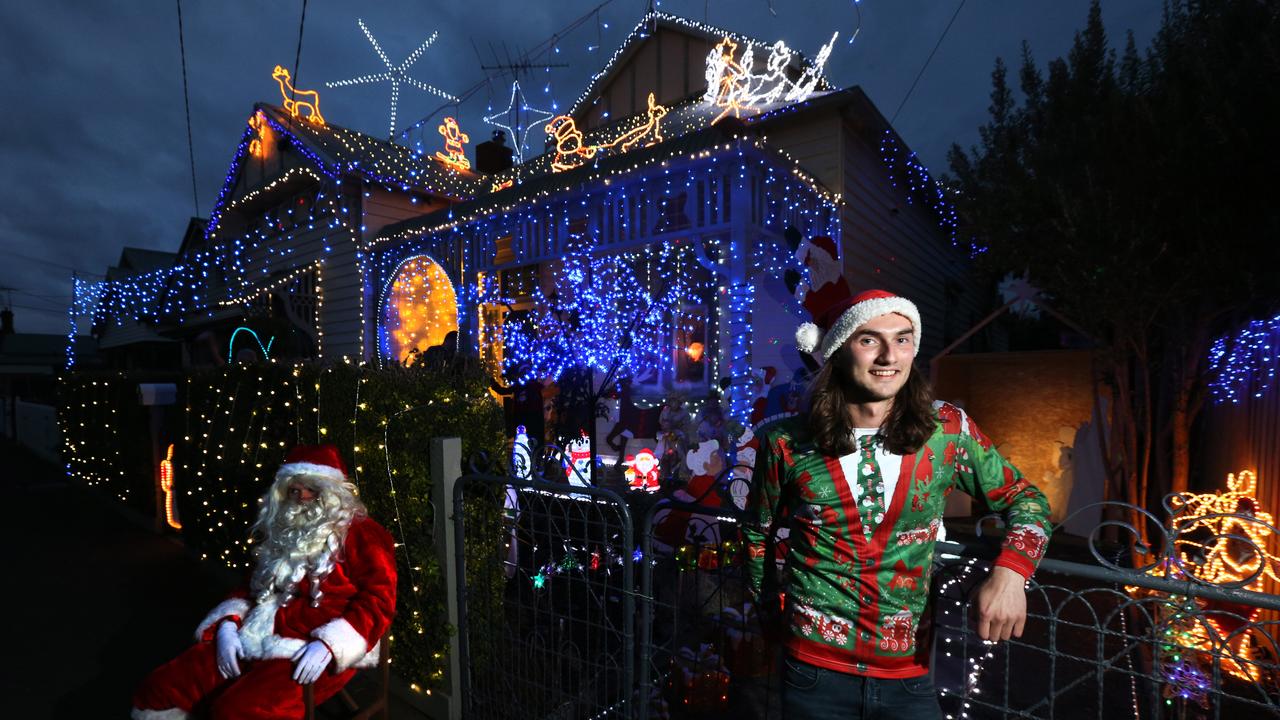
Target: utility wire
(54, 264)
(926, 62)
(191, 149)
(298, 55)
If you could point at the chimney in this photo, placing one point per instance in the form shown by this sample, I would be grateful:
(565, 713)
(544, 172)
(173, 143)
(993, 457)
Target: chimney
(493, 156)
(6, 322)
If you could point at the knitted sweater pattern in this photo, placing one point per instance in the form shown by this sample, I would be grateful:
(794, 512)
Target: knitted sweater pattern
(854, 595)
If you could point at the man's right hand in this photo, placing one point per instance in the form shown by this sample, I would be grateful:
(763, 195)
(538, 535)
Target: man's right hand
(229, 650)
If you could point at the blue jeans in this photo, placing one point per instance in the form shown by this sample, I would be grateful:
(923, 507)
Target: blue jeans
(813, 693)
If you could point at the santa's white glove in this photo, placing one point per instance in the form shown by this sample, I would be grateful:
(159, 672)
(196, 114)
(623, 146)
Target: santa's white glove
(229, 650)
(310, 661)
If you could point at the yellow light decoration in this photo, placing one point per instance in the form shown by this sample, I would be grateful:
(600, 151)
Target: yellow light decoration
(1224, 518)
(495, 187)
(572, 152)
(166, 484)
(652, 124)
(420, 308)
(454, 155)
(261, 145)
(295, 100)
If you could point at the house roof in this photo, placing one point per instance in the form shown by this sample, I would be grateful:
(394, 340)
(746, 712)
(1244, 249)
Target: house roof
(710, 139)
(339, 150)
(139, 260)
(649, 24)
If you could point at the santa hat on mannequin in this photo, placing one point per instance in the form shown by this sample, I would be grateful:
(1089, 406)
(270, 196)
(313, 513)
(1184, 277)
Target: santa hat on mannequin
(322, 462)
(840, 316)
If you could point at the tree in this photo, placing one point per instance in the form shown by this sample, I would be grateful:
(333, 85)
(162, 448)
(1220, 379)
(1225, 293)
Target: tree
(1139, 192)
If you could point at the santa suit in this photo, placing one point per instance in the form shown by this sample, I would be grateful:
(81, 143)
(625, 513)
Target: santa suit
(355, 609)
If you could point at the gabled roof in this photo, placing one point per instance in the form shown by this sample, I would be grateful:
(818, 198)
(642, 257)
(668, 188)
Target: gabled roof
(709, 139)
(138, 260)
(649, 24)
(339, 150)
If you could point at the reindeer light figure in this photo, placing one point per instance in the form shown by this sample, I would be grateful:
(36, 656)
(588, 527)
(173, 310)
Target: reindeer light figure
(634, 136)
(295, 100)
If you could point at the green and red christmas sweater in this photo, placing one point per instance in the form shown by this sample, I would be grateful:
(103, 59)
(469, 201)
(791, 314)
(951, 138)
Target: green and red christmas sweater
(856, 576)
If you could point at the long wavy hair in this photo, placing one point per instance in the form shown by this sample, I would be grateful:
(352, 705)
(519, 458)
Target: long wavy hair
(910, 422)
(296, 540)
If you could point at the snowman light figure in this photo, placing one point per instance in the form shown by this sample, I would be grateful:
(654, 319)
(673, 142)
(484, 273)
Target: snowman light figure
(577, 468)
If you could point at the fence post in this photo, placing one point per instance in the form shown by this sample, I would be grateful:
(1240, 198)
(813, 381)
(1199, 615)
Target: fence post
(446, 468)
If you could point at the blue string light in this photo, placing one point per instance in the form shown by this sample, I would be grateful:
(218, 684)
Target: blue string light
(1244, 364)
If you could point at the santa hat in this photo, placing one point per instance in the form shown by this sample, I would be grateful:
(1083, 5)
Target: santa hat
(314, 461)
(833, 324)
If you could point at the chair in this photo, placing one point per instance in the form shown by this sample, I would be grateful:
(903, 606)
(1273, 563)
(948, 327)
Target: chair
(376, 707)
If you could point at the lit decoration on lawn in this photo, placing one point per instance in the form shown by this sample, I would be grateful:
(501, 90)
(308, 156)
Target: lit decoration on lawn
(454, 154)
(602, 315)
(510, 120)
(732, 86)
(395, 74)
(577, 460)
(419, 309)
(295, 101)
(260, 146)
(1233, 553)
(1244, 364)
(166, 486)
(642, 471)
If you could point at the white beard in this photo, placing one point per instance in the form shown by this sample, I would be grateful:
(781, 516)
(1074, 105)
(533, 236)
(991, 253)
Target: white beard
(303, 541)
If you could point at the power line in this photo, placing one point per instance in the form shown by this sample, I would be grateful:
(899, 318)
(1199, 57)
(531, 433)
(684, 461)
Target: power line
(926, 62)
(298, 55)
(54, 264)
(191, 149)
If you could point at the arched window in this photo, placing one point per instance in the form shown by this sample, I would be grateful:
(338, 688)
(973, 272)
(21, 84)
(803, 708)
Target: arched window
(418, 311)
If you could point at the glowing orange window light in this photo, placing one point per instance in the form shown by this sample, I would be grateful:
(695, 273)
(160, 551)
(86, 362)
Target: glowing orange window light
(166, 484)
(420, 309)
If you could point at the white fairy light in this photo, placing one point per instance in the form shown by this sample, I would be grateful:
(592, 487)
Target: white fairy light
(517, 130)
(395, 74)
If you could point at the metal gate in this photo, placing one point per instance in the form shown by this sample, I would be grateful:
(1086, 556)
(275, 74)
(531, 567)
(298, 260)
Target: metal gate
(546, 604)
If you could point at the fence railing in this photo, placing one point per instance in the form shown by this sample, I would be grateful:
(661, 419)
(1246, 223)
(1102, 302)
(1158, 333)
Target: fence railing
(630, 605)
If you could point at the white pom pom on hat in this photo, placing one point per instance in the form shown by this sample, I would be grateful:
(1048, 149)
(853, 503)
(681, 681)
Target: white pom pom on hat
(845, 315)
(808, 336)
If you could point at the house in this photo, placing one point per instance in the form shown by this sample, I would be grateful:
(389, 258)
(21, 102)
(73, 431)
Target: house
(691, 214)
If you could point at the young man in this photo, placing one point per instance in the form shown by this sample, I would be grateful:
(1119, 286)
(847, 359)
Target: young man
(322, 595)
(861, 479)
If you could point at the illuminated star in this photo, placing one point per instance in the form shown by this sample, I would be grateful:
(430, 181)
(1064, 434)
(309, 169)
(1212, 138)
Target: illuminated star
(539, 580)
(396, 74)
(509, 119)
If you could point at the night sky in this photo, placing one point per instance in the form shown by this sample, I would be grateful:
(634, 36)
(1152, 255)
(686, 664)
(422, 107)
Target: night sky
(93, 135)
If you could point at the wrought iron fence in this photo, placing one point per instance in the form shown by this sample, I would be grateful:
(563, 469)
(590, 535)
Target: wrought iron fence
(630, 605)
(556, 640)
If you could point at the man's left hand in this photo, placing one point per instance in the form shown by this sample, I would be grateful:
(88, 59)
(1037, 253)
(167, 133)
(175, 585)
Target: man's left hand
(1002, 605)
(310, 661)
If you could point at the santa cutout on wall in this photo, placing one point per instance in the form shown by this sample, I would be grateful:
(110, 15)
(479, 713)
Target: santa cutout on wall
(823, 283)
(642, 470)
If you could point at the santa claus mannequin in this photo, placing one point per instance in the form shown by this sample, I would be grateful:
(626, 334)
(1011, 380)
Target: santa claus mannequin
(322, 594)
